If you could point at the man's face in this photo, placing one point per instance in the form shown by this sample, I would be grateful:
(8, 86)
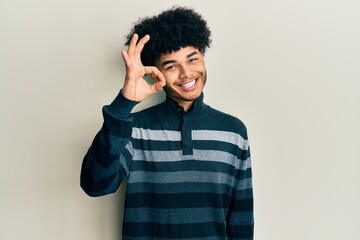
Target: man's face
(185, 74)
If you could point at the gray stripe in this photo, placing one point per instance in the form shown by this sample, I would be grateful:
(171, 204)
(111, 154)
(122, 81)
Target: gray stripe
(245, 164)
(202, 155)
(245, 193)
(122, 159)
(205, 135)
(130, 148)
(189, 177)
(244, 184)
(222, 136)
(175, 216)
(158, 135)
(242, 218)
(124, 165)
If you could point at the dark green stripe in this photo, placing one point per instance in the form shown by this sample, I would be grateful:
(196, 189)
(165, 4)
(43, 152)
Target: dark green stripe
(175, 231)
(158, 188)
(191, 165)
(241, 232)
(180, 200)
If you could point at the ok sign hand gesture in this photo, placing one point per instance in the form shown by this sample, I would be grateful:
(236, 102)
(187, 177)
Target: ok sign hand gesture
(135, 87)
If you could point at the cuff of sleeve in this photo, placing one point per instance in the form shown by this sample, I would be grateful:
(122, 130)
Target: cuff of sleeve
(121, 107)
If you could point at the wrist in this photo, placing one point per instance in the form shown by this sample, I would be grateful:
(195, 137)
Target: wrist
(121, 106)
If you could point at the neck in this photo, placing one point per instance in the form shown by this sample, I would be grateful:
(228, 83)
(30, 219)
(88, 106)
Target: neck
(185, 104)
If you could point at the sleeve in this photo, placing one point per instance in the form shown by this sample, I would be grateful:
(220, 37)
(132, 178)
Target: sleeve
(240, 218)
(107, 162)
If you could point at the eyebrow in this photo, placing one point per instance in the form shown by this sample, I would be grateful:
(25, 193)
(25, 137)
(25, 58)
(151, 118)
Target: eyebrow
(174, 61)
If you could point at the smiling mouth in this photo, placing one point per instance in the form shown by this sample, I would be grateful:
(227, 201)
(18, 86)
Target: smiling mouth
(188, 85)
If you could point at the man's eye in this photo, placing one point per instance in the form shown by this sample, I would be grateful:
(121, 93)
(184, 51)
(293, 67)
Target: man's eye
(192, 60)
(170, 67)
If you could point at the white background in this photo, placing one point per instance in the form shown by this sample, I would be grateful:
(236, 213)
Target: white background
(289, 69)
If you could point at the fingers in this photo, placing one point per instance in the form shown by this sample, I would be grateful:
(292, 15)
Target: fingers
(157, 77)
(132, 45)
(132, 56)
(158, 86)
(126, 58)
(136, 47)
(141, 44)
(135, 71)
(155, 73)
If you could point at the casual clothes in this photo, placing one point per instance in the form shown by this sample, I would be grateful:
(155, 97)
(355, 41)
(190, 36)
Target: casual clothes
(188, 173)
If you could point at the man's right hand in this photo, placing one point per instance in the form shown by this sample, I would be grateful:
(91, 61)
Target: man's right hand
(135, 87)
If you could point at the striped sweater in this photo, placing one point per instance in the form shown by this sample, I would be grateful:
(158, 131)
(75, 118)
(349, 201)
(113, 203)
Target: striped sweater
(188, 173)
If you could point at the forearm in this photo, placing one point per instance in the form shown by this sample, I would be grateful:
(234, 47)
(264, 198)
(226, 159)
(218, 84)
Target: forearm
(240, 221)
(107, 161)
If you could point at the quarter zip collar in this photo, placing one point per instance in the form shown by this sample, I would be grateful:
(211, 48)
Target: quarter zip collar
(174, 112)
(172, 109)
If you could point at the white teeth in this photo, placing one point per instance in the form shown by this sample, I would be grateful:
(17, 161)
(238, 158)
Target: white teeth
(189, 84)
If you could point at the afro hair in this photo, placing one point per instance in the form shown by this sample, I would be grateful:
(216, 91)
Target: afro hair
(169, 31)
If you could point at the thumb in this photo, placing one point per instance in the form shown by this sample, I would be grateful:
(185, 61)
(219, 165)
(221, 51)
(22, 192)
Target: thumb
(158, 86)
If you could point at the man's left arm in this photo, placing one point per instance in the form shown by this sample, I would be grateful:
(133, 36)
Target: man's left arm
(240, 219)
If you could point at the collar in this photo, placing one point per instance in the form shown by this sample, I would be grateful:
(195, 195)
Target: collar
(172, 108)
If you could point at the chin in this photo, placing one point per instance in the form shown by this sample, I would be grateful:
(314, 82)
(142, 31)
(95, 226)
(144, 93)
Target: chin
(183, 96)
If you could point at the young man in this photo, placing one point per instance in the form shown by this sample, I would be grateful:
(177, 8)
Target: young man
(187, 165)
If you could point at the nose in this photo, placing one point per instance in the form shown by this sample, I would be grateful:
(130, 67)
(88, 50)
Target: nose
(185, 71)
